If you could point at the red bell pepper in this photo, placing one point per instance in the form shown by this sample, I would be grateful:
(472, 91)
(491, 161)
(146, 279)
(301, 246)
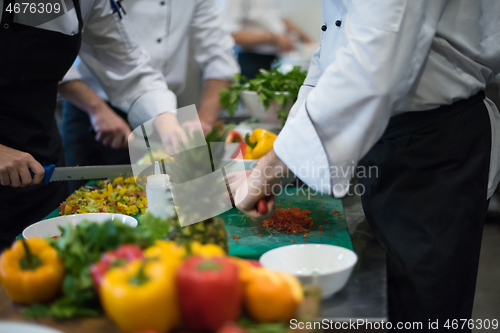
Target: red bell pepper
(210, 293)
(235, 137)
(111, 259)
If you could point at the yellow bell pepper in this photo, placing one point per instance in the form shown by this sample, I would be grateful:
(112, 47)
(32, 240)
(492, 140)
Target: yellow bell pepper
(207, 251)
(141, 296)
(259, 144)
(272, 296)
(166, 251)
(30, 271)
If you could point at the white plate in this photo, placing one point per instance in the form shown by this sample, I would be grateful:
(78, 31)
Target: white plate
(50, 227)
(13, 327)
(329, 266)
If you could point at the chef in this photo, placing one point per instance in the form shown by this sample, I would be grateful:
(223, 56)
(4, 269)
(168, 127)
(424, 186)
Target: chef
(398, 86)
(164, 29)
(37, 49)
(262, 33)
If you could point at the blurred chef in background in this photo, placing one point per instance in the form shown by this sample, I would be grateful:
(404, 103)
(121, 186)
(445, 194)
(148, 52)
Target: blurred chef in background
(95, 131)
(37, 49)
(398, 87)
(261, 32)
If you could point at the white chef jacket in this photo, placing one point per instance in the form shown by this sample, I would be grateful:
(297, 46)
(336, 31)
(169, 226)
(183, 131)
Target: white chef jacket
(258, 16)
(161, 29)
(382, 58)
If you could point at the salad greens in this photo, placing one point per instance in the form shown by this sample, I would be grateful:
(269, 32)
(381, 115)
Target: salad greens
(269, 85)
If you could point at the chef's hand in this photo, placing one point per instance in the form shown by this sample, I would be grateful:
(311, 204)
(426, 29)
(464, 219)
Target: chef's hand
(249, 188)
(172, 135)
(283, 43)
(14, 168)
(111, 130)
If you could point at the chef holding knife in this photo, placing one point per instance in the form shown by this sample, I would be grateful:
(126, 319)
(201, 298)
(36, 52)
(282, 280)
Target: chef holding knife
(37, 49)
(398, 85)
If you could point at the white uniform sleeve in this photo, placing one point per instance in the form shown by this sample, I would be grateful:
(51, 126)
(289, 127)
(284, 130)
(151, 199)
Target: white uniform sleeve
(234, 16)
(350, 106)
(122, 67)
(213, 46)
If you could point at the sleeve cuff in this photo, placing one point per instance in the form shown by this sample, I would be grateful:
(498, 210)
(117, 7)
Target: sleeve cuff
(150, 105)
(223, 69)
(300, 148)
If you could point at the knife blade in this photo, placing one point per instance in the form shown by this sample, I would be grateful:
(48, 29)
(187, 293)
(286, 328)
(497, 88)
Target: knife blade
(53, 174)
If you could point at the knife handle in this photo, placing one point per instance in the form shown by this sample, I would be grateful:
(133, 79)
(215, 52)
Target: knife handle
(49, 170)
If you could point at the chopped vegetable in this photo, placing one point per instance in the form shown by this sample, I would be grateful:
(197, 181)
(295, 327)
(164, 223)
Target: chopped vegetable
(290, 220)
(122, 196)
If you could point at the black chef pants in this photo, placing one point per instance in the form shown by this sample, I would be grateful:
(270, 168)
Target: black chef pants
(427, 208)
(80, 146)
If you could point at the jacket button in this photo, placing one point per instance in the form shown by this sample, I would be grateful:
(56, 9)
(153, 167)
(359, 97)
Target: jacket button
(338, 23)
(324, 27)
(158, 40)
(6, 26)
(162, 3)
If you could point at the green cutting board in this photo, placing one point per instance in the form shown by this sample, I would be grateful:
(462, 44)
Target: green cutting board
(251, 246)
(321, 208)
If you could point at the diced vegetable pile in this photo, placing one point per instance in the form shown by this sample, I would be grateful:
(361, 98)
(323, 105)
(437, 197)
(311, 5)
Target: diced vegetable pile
(121, 196)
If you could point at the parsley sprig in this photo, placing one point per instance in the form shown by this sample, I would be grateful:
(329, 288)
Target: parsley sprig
(269, 85)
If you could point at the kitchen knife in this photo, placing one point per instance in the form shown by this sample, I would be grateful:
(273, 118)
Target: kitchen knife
(53, 174)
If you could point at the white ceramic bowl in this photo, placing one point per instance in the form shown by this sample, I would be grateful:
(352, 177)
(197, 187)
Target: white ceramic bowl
(257, 110)
(50, 227)
(328, 266)
(15, 327)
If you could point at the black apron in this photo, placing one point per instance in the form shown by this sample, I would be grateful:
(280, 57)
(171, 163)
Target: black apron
(32, 62)
(427, 205)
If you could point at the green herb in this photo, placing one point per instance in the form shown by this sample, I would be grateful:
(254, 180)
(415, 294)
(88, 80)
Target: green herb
(270, 86)
(156, 227)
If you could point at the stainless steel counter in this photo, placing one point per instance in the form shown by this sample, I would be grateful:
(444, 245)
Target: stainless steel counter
(365, 295)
